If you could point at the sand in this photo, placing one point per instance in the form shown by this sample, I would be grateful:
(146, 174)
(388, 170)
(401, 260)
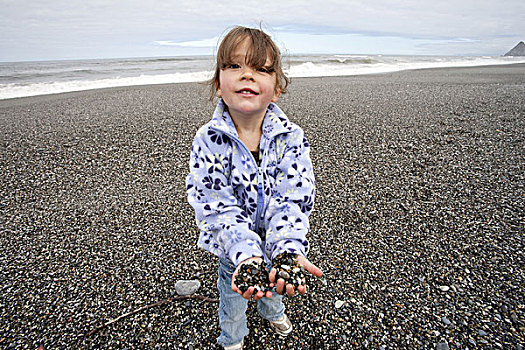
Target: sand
(418, 222)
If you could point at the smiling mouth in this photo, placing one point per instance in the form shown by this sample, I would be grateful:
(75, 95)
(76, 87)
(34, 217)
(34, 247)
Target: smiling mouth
(247, 92)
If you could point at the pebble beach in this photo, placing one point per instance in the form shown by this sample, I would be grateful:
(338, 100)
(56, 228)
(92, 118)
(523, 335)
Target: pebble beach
(418, 223)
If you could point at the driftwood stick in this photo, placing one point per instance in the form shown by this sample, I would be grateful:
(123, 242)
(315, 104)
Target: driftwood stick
(159, 303)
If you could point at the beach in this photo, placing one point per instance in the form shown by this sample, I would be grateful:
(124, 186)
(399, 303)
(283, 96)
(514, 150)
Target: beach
(418, 223)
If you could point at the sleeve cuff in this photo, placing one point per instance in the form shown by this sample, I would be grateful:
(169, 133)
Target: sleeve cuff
(244, 250)
(290, 246)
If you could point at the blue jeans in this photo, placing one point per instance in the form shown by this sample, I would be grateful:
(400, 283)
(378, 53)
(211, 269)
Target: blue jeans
(232, 307)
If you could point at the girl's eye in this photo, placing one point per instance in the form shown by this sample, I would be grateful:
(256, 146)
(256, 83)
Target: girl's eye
(233, 66)
(264, 70)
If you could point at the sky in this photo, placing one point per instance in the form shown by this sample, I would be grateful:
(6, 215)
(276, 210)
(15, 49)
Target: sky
(80, 29)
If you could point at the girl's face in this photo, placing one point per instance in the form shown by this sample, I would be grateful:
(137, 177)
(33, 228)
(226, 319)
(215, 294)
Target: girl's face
(246, 91)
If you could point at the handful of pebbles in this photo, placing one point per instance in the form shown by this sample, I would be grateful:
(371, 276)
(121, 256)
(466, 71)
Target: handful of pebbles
(252, 274)
(289, 270)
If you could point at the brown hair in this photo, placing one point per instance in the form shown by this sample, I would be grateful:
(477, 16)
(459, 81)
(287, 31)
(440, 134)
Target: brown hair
(260, 47)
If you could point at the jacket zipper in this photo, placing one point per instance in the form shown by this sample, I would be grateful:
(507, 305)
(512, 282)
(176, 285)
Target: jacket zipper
(260, 194)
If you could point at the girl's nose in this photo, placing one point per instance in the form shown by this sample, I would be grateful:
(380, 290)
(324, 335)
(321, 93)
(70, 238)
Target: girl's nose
(247, 74)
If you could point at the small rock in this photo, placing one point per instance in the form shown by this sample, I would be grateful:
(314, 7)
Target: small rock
(446, 321)
(339, 303)
(284, 275)
(444, 288)
(187, 287)
(442, 346)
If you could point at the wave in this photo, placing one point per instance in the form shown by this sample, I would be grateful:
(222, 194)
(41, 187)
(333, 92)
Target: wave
(19, 80)
(172, 59)
(46, 76)
(353, 60)
(392, 64)
(45, 88)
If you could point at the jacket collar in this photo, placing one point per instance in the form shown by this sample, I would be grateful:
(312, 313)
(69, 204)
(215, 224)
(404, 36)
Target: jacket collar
(275, 121)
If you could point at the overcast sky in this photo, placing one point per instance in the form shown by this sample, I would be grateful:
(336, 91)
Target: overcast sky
(70, 29)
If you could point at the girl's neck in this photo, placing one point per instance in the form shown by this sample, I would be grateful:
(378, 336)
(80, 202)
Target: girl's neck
(249, 131)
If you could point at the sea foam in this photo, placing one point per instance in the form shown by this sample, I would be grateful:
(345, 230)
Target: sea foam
(44, 88)
(19, 79)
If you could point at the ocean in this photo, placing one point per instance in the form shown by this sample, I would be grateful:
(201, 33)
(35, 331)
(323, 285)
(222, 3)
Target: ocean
(20, 79)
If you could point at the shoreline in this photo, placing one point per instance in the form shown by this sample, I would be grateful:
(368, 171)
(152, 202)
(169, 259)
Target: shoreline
(293, 78)
(417, 225)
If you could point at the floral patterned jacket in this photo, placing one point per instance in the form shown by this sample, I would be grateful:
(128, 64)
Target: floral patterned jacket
(245, 210)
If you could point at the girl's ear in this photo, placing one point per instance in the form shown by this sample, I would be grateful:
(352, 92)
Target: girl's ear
(276, 95)
(219, 92)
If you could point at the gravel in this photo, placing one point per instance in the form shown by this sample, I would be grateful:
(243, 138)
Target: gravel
(418, 223)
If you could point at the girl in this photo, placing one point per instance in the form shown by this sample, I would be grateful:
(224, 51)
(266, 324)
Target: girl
(251, 181)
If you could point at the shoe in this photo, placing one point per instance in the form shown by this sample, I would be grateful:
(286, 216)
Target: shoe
(282, 326)
(237, 346)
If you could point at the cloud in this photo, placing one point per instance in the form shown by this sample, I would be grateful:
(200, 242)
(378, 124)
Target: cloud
(212, 42)
(32, 29)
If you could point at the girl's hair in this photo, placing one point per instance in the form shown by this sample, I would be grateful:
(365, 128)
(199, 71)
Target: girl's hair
(260, 47)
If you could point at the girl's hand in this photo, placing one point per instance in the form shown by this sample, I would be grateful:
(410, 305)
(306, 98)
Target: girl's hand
(289, 288)
(249, 293)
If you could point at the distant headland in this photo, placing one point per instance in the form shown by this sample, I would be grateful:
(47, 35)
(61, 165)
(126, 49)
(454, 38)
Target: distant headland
(518, 50)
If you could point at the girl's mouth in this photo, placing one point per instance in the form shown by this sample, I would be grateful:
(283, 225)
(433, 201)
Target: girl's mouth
(247, 92)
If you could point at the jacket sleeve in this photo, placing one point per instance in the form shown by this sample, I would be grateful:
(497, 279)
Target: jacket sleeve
(292, 200)
(226, 229)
